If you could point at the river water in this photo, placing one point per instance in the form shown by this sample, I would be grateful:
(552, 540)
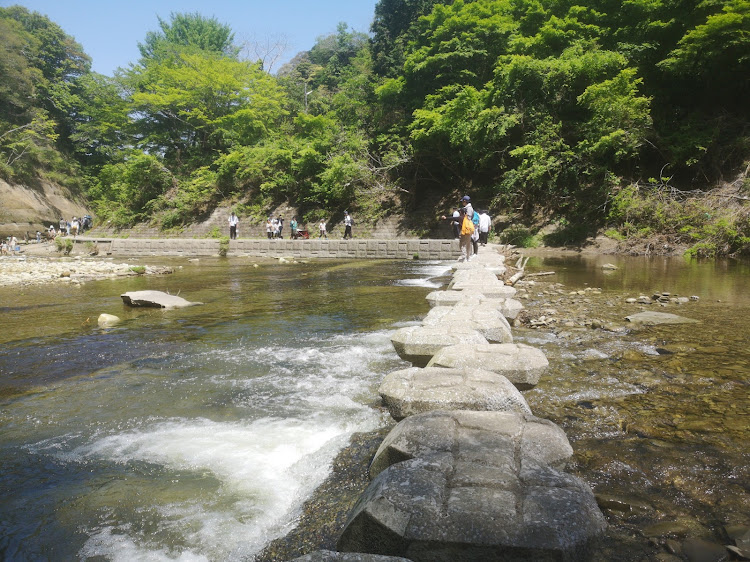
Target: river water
(198, 434)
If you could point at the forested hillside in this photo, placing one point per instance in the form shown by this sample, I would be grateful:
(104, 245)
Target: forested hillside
(589, 113)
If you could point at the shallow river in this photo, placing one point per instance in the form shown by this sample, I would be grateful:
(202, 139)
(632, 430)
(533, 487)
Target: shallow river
(198, 434)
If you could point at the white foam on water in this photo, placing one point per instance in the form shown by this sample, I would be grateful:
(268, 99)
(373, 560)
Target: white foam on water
(266, 469)
(310, 399)
(418, 283)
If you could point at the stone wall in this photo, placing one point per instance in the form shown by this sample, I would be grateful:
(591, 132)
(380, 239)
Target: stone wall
(347, 249)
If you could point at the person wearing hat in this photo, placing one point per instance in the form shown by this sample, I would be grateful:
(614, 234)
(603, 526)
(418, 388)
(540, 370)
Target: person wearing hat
(347, 225)
(466, 228)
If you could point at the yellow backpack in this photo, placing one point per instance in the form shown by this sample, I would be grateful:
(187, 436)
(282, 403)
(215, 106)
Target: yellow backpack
(467, 226)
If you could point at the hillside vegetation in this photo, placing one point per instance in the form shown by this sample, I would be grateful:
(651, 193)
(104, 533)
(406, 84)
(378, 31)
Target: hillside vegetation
(587, 114)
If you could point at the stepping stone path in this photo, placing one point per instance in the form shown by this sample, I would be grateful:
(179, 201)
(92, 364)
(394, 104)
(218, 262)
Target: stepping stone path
(469, 473)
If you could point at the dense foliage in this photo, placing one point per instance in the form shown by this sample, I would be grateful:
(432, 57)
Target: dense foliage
(556, 106)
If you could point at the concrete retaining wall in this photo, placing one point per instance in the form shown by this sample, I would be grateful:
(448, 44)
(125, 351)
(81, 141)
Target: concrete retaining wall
(348, 249)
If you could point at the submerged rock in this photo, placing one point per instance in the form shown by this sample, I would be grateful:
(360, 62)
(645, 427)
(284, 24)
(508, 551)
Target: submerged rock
(330, 556)
(156, 299)
(651, 318)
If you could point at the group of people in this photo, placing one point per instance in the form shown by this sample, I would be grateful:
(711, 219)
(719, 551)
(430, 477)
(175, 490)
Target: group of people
(9, 246)
(275, 227)
(470, 227)
(74, 227)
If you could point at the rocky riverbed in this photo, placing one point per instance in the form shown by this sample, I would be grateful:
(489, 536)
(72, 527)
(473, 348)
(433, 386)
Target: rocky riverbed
(38, 270)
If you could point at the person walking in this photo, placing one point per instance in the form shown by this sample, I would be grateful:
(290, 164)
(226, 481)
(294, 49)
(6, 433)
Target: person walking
(233, 222)
(280, 222)
(322, 228)
(269, 228)
(347, 225)
(293, 226)
(485, 225)
(456, 224)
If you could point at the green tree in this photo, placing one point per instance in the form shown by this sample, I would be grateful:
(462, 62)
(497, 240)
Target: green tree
(187, 32)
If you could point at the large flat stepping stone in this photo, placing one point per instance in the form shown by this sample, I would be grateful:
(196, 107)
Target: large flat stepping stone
(417, 344)
(515, 439)
(155, 299)
(487, 321)
(649, 318)
(521, 364)
(491, 289)
(412, 391)
(482, 275)
(446, 506)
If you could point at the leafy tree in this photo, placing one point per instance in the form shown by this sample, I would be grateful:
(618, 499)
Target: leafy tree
(187, 32)
(393, 28)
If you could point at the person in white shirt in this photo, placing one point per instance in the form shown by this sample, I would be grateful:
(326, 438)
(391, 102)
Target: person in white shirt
(322, 228)
(233, 222)
(485, 225)
(347, 225)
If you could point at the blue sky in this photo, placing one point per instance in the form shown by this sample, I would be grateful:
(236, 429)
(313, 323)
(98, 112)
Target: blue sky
(111, 30)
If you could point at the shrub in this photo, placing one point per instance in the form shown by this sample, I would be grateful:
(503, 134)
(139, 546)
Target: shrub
(224, 246)
(64, 245)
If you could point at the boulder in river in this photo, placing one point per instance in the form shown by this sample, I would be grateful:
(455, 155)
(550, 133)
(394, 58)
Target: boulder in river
(522, 364)
(155, 299)
(416, 390)
(651, 318)
(107, 320)
(474, 502)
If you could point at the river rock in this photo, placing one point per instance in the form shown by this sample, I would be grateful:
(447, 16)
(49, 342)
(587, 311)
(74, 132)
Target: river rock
(522, 364)
(107, 320)
(518, 437)
(651, 318)
(487, 321)
(331, 556)
(473, 505)
(417, 344)
(156, 299)
(415, 390)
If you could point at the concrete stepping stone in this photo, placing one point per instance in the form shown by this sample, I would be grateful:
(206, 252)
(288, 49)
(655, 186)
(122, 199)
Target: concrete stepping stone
(416, 390)
(524, 441)
(507, 306)
(491, 289)
(480, 494)
(521, 364)
(486, 320)
(417, 344)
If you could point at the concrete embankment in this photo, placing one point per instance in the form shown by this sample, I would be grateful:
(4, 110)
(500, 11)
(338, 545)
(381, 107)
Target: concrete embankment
(326, 248)
(470, 473)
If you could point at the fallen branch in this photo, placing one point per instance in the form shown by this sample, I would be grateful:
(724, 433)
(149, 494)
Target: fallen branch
(513, 279)
(541, 274)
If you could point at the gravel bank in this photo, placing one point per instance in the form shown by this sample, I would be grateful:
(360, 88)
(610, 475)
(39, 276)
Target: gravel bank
(35, 270)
